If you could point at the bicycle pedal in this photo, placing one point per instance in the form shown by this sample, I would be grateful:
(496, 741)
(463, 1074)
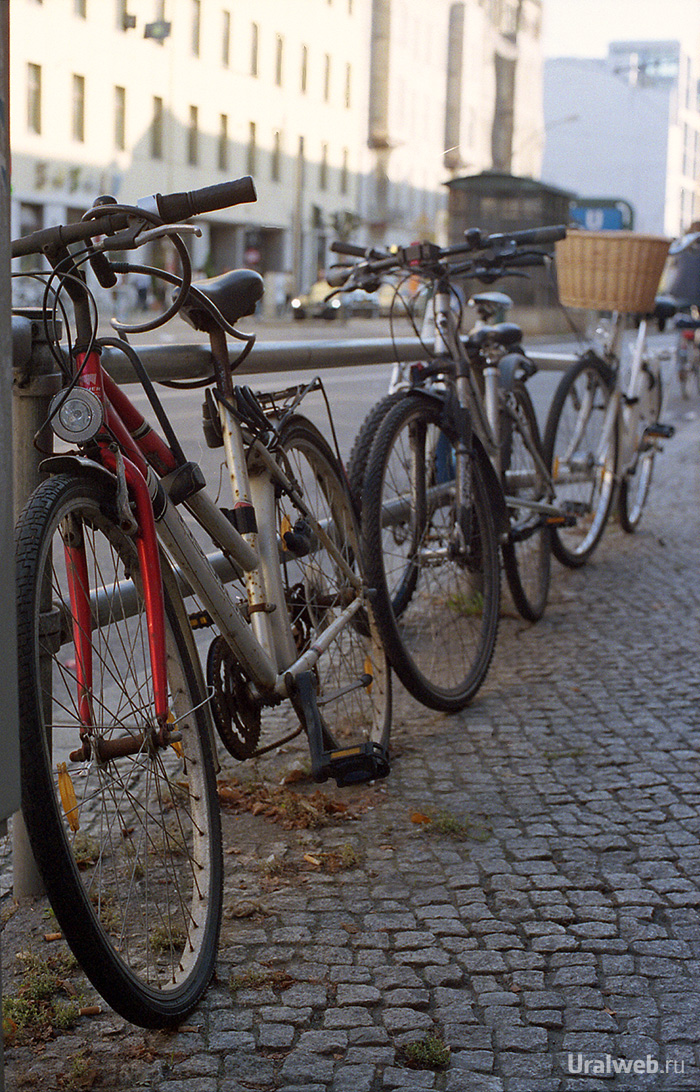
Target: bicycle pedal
(659, 431)
(575, 508)
(355, 765)
(566, 519)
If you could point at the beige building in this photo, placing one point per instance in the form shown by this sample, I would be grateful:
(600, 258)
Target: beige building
(350, 114)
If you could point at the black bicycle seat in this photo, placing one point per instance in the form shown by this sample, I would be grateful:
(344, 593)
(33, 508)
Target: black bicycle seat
(233, 294)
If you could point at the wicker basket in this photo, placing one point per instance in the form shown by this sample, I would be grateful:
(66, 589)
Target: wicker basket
(610, 270)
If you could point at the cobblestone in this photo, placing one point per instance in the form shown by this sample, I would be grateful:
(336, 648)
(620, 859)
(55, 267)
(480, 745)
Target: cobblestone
(567, 931)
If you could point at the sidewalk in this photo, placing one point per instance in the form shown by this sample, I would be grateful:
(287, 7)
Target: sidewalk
(524, 885)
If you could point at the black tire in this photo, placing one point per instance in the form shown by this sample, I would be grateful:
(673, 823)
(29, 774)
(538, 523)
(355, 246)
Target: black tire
(441, 642)
(583, 473)
(133, 867)
(636, 480)
(317, 591)
(362, 444)
(527, 555)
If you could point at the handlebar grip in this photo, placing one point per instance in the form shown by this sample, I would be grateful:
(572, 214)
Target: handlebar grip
(172, 207)
(529, 236)
(351, 249)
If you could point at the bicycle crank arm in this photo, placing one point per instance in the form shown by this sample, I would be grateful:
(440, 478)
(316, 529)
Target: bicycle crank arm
(346, 765)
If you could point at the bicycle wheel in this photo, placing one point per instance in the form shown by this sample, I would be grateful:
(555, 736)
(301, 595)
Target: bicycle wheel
(527, 555)
(125, 831)
(442, 565)
(362, 444)
(636, 480)
(352, 677)
(581, 458)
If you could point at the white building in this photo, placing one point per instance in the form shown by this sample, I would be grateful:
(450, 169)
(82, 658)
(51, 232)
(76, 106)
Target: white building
(338, 108)
(628, 127)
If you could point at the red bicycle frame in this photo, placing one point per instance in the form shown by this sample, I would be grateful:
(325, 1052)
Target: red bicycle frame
(138, 446)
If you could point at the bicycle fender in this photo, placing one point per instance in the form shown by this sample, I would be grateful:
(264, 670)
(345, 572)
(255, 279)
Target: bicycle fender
(493, 488)
(514, 366)
(79, 465)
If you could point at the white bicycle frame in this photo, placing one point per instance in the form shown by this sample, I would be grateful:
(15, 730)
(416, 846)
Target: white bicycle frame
(264, 646)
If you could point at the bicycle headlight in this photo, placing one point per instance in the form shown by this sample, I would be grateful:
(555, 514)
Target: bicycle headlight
(77, 417)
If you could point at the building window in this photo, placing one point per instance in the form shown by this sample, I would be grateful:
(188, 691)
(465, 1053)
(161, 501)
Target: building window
(157, 128)
(196, 26)
(348, 85)
(275, 161)
(34, 98)
(254, 48)
(80, 8)
(78, 128)
(279, 54)
(226, 38)
(344, 172)
(304, 69)
(120, 118)
(223, 142)
(301, 163)
(323, 168)
(252, 147)
(327, 77)
(193, 137)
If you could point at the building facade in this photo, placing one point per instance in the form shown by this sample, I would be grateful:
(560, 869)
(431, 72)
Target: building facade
(627, 127)
(340, 110)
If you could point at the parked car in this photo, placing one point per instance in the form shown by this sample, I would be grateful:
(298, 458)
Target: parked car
(315, 303)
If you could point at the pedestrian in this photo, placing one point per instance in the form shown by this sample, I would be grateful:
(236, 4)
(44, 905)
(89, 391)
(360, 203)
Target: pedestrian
(682, 276)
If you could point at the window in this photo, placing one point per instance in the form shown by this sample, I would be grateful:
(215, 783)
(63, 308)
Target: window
(80, 8)
(78, 128)
(223, 142)
(301, 164)
(193, 137)
(275, 161)
(120, 118)
(34, 98)
(326, 77)
(157, 128)
(348, 85)
(254, 47)
(226, 38)
(304, 69)
(344, 172)
(279, 53)
(252, 147)
(323, 168)
(196, 26)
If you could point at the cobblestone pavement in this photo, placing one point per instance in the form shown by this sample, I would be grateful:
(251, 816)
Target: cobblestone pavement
(545, 923)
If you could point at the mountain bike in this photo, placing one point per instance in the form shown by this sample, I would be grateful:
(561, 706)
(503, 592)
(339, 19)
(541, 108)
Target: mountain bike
(118, 714)
(437, 608)
(603, 432)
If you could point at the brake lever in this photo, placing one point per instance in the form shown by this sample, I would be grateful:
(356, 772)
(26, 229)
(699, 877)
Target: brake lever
(134, 237)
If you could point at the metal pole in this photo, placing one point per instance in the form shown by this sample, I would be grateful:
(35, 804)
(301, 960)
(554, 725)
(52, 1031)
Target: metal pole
(9, 725)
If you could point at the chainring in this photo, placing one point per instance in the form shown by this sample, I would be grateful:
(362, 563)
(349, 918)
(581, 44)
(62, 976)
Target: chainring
(235, 709)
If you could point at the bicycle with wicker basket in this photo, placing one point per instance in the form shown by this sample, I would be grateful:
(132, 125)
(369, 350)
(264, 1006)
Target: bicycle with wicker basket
(603, 429)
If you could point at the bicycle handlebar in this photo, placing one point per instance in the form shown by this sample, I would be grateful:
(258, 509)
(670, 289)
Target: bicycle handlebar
(169, 208)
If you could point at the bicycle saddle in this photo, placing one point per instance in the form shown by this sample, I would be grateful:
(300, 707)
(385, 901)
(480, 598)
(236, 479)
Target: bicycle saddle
(503, 333)
(233, 295)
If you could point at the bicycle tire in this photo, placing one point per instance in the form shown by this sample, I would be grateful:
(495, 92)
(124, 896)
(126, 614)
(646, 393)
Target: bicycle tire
(636, 481)
(583, 473)
(362, 444)
(441, 643)
(132, 863)
(317, 591)
(527, 555)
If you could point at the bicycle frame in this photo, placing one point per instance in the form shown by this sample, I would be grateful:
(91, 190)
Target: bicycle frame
(268, 653)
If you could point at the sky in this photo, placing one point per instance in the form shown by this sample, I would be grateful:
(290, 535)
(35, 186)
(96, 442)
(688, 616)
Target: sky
(583, 28)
